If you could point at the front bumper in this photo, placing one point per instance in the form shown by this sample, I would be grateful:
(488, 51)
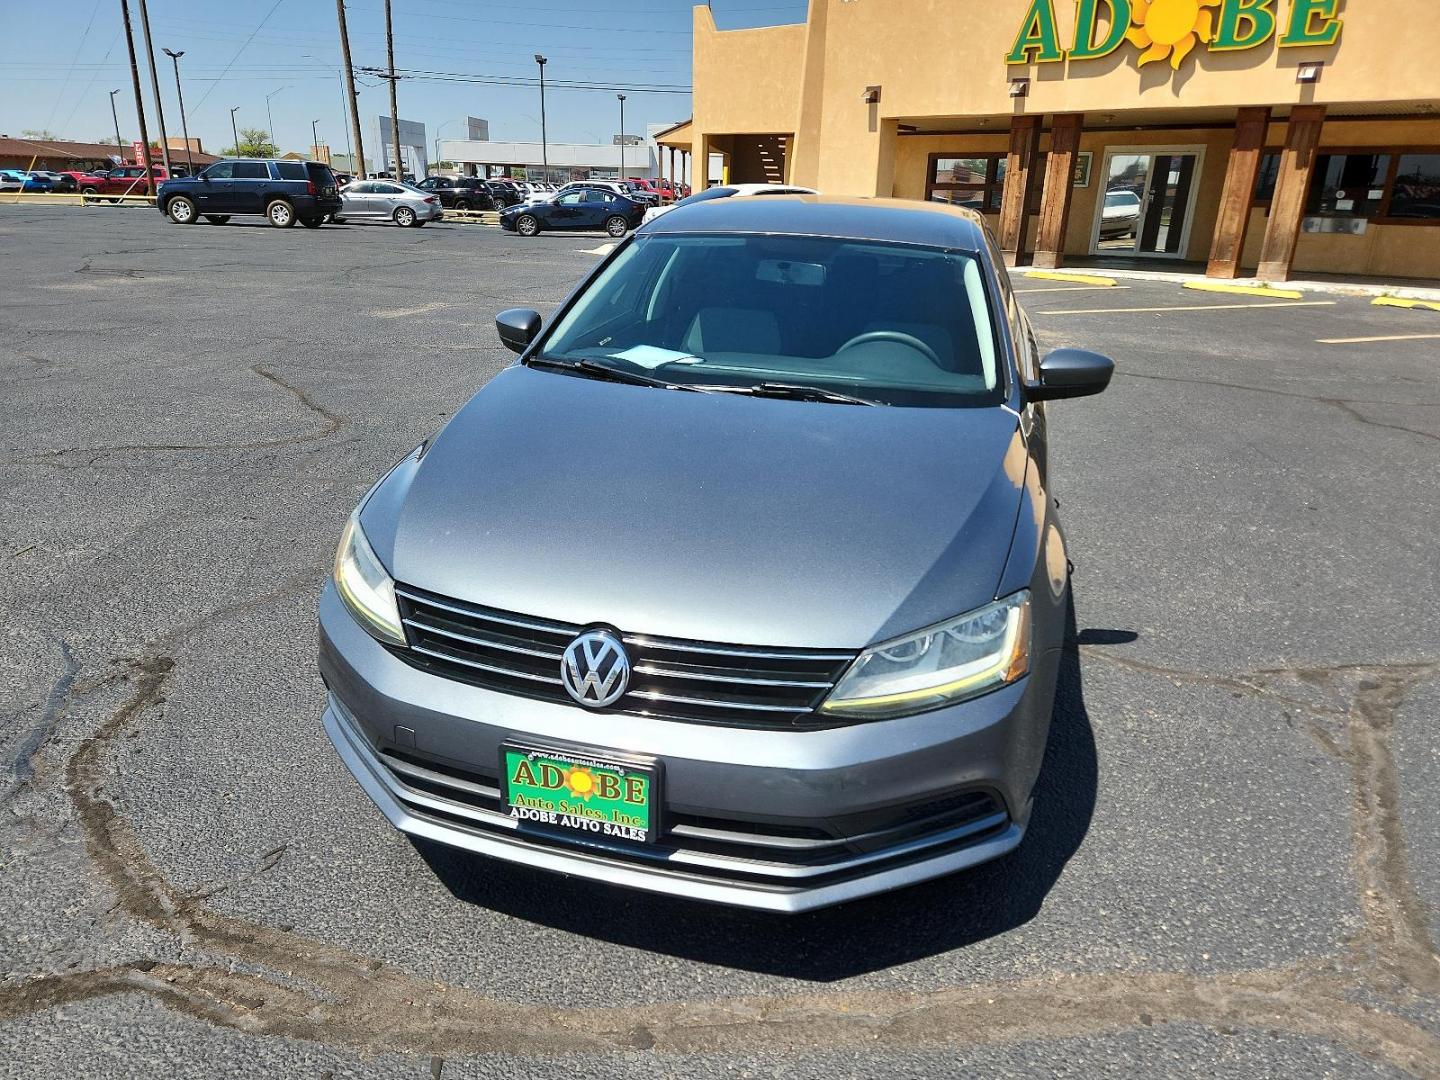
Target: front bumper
(742, 807)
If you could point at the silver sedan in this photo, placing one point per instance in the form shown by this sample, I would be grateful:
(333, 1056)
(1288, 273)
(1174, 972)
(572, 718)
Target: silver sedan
(387, 200)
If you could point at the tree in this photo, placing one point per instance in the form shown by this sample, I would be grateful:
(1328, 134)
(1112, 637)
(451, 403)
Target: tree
(254, 142)
(38, 133)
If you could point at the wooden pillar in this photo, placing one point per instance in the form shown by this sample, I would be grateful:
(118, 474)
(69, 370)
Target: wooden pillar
(1251, 124)
(1065, 132)
(1292, 187)
(1015, 198)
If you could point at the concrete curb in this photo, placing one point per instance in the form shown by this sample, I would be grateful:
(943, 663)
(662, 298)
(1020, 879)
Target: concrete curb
(1339, 288)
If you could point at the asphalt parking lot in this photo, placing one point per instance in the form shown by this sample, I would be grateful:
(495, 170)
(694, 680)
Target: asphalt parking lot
(1234, 865)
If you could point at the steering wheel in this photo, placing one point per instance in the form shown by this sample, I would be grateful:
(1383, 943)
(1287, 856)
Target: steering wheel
(898, 336)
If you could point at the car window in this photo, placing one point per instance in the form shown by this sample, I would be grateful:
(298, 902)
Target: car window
(365, 187)
(389, 189)
(251, 170)
(319, 174)
(895, 323)
(594, 196)
(291, 170)
(570, 198)
(1128, 199)
(222, 170)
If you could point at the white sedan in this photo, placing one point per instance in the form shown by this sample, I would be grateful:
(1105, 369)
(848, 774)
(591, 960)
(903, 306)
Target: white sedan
(725, 191)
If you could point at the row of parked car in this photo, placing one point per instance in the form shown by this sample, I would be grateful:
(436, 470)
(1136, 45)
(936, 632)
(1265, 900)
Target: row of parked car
(123, 180)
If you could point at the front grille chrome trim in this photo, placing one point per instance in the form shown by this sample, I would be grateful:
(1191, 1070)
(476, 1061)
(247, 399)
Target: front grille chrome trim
(494, 669)
(544, 654)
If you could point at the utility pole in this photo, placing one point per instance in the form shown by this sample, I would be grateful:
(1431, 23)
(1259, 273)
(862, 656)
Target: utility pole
(119, 143)
(544, 144)
(155, 84)
(314, 139)
(235, 146)
(184, 127)
(622, 136)
(394, 109)
(357, 158)
(139, 100)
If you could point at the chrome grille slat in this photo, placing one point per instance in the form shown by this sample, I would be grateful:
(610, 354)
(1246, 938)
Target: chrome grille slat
(492, 668)
(712, 703)
(671, 678)
(430, 628)
(743, 680)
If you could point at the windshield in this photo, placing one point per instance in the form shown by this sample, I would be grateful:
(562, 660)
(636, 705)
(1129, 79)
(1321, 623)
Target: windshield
(1128, 199)
(895, 324)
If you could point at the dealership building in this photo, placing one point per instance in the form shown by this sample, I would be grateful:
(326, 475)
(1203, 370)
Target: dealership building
(1265, 137)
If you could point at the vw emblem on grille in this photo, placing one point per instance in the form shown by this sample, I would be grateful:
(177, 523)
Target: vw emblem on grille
(595, 669)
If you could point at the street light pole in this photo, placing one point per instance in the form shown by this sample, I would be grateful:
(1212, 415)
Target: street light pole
(235, 146)
(119, 143)
(184, 127)
(544, 141)
(271, 119)
(622, 136)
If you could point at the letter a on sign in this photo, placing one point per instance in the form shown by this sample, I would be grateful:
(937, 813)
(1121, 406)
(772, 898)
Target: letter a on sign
(1038, 36)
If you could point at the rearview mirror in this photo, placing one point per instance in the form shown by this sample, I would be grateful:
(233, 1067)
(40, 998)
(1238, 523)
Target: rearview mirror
(1070, 373)
(517, 327)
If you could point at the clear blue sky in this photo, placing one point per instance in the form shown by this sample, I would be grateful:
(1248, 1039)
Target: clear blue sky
(58, 62)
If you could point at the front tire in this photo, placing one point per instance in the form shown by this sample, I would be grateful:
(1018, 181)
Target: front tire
(617, 226)
(181, 210)
(405, 217)
(217, 219)
(462, 204)
(280, 214)
(90, 191)
(527, 225)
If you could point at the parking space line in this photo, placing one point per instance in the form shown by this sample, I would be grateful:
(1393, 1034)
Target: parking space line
(1067, 288)
(1365, 340)
(1244, 290)
(1192, 307)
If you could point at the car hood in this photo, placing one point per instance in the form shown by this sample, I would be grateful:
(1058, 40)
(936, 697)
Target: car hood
(714, 517)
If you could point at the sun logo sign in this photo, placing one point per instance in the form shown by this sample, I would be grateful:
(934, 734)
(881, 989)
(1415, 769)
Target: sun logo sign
(1171, 29)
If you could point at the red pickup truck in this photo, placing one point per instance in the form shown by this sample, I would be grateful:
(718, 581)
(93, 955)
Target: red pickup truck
(125, 180)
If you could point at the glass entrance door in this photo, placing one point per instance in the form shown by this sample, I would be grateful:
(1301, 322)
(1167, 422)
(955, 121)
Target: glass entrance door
(1147, 202)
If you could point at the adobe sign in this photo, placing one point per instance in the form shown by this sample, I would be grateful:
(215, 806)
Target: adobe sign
(1171, 29)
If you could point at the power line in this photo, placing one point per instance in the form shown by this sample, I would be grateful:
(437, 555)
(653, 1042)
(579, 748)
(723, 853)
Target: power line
(516, 80)
(238, 52)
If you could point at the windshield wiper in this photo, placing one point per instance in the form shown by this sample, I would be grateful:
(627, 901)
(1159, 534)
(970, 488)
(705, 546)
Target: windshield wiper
(793, 391)
(596, 370)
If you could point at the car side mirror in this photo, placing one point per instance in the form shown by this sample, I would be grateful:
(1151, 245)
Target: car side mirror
(1070, 373)
(517, 327)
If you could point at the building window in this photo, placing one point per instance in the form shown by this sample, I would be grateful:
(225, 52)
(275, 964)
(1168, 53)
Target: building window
(975, 182)
(1415, 193)
(1265, 180)
(1348, 185)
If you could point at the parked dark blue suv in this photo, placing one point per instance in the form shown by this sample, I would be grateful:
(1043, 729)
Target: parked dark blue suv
(283, 192)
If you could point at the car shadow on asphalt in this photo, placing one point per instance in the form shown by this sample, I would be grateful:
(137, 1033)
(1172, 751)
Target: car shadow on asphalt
(839, 942)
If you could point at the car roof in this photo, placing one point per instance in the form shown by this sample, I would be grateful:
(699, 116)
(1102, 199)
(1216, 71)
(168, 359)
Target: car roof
(902, 221)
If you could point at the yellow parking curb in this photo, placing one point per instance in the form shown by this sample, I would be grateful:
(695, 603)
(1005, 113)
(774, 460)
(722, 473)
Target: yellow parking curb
(1079, 279)
(1398, 301)
(1244, 290)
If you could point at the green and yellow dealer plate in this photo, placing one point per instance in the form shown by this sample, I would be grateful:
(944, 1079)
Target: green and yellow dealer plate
(599, 797)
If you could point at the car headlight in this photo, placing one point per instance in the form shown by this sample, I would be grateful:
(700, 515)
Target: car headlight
(365, 586)
(940, 665)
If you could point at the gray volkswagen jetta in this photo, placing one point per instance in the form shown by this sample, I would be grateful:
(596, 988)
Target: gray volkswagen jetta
(743, 584)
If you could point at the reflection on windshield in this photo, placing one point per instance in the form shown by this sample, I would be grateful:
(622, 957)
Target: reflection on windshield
(897, 324)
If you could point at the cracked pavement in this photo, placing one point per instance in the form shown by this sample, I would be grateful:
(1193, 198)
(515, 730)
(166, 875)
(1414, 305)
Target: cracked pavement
(1234, 866)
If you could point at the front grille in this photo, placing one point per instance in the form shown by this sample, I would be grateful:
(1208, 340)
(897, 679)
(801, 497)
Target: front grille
(754, 852)
(674, 679)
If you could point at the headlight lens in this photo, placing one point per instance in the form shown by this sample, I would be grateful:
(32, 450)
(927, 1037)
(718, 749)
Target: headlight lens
(939, 665)
(365, 586)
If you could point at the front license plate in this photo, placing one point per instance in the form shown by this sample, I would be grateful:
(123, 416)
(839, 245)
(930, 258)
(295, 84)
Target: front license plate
(594, 796)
